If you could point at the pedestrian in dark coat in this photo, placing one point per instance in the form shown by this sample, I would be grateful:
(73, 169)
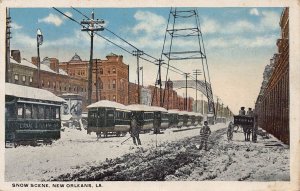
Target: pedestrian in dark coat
(135, 131)
(204, 134)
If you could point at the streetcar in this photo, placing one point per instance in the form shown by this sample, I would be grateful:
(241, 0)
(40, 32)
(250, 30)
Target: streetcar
(150, 117)
(173, 116)
(199, 118)
(32, 115)
(108, 118)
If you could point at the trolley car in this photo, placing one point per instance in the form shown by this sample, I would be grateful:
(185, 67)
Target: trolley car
(150, 117)
(31, 115)
(199, 118)
(173, 116)
(108, 118)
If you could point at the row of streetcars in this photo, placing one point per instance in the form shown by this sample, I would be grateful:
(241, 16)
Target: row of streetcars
(33, 115)
(111, 118)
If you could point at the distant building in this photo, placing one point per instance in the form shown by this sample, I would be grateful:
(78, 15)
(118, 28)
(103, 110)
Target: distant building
(110, 76)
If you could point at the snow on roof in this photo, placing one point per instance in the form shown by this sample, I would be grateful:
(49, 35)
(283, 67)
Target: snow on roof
(107, 103)
(210, 115)
(175, 111)
(23, 63)
(155, 108)
(46, 68)
(30, 92)
(139, 107)
(62, 72)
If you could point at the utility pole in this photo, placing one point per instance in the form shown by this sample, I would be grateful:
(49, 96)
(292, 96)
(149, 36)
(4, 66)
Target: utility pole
(138, 53)
(7, 49)
(217, 109)
(186, 101)
(196, 73)
(159, 81)
(97, 81)
(92, 26)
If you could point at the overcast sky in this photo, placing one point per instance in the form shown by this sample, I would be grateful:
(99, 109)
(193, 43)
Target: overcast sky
(239, 43)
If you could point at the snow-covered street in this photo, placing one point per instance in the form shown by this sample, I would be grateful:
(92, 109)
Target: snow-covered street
(77, 151)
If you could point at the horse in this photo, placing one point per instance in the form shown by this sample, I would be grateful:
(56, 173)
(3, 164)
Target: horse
(247, 132)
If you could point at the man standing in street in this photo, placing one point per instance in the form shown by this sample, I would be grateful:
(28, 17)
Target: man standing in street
(204, 134)
(135, 130)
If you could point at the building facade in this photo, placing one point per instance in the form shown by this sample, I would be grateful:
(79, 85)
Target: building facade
(272, 104)
(109, 79)
(52, 78)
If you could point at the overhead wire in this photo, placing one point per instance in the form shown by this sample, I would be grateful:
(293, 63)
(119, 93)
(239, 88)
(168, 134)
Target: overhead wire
(130, 44)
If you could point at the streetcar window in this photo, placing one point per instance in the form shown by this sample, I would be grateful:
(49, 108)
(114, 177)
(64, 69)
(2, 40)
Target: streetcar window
(27, 111)
(35, 112)
(20, 110)
(41, 114)
(57, 113)
(110, 113)
(47, 113)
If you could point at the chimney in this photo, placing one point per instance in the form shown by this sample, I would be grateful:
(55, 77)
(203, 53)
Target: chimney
(54, 65)
(16, 55)
(34, 61)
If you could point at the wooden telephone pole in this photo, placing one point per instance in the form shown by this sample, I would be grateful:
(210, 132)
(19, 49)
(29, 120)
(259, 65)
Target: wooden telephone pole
(92, 26)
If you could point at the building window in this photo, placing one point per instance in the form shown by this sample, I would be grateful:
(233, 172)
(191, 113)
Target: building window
(108, 71)
(30, 79)
(114, 84)
(42, 83)
(24, 78)
(54, 85)
(65, 88)
(101, 71)
(16, 76)
(113, 70)
(114, 98)
(48, 84)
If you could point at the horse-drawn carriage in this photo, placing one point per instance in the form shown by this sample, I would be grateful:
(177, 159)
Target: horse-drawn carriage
(246, 122)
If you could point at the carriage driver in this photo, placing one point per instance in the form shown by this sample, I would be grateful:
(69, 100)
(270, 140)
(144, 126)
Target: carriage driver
(135, 130)
(204, 134)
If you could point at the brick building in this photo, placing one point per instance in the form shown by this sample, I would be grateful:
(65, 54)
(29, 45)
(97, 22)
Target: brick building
(52, 78)
(110, 76)
(272, 104)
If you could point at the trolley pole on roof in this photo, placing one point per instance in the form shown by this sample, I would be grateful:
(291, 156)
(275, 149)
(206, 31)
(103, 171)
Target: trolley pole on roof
(196, 73)
(138, 53)
(92, 26)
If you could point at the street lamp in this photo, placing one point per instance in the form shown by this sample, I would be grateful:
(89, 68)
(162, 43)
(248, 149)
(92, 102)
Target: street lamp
(39, 40)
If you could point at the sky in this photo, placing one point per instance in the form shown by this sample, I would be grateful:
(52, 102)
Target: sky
(239, 43)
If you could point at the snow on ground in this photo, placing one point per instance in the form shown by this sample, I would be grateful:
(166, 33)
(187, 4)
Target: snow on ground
(78, 153)
(76, 149)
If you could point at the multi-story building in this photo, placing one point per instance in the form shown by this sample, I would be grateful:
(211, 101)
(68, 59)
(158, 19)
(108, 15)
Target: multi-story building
(272, 104)
(109, 79)
(52, 78)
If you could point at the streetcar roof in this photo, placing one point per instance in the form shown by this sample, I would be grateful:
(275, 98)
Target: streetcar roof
(30, 93)
(139, 107)
(173, 111)
(109, 104)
